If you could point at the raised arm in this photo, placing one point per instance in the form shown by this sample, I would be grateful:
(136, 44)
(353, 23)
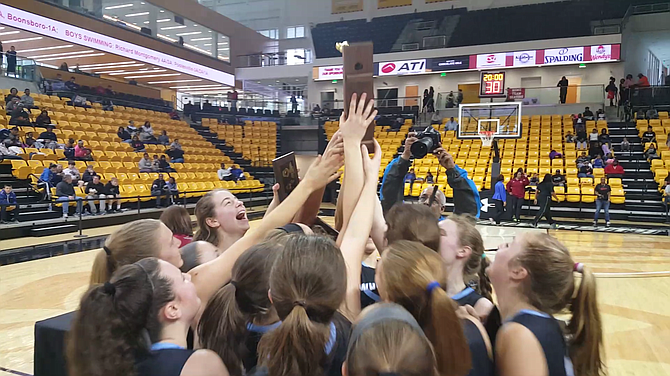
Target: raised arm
(356, 234)
(353, 129)
(209, 277)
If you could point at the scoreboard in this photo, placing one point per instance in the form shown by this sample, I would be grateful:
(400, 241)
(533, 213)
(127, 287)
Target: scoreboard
(492, 85)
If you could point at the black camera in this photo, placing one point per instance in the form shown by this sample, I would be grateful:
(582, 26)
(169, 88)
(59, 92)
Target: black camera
(427, 142)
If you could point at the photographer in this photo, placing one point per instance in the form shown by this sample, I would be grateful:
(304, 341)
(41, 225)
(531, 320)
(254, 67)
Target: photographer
(393, 182)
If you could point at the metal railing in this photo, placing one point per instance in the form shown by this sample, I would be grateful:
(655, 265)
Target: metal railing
(24, 68)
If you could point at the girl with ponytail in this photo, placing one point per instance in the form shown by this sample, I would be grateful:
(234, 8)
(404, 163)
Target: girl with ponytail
(412, 275)
(136, 324)
(462, 249)
(239, 313)
(534, 278)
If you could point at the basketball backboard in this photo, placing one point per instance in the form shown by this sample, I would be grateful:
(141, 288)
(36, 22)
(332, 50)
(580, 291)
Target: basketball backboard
(503, 119)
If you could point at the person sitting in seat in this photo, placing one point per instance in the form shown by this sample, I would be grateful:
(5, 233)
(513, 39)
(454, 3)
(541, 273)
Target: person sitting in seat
(124, 135)
(68, 149)
(614, 170)
(146, 165)
(73, 171)
(48, 138)
(451, 125)
(164, 166)
(7, 203)
(12, 138)
(558, 179)
(88, 175)
(160, 189)
(95, 190)
(163, 139)
(65, 193)
(585, 171)
(598, 162)
(649, 135)
(651, 153)
(113, 196)
(28, 101)
(82, 153)
(224, 173)
(569, 138)
(176, 155)
(43, 119)
(136, 144)
(237, 173)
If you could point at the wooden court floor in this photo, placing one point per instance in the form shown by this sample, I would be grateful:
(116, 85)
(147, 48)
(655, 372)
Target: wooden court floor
(633, 292)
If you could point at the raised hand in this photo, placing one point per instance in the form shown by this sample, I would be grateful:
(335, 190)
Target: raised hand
(446, 159)
(353, 127)
(371, 165)
(406, 154)
(335, 145)
(323, 171)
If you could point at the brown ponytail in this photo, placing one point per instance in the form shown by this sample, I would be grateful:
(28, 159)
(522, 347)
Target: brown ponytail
(586, 328)
(130, 243)
(308, 285)
(106, 334)
(407, 270)
(550, 288)
(475, 268)
(415, 223)
(222, 326)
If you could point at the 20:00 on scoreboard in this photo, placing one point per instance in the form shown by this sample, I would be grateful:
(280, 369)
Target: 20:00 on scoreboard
(492, 84)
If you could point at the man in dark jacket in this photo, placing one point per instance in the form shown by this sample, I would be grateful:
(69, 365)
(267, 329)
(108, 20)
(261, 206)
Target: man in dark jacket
(466, 194)
(113, 195)
(393, 182)
(95, 190)
(65, 193)
(8, 201)
(159, 189)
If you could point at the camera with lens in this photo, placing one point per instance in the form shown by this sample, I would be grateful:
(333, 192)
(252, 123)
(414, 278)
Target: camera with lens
(427, 142)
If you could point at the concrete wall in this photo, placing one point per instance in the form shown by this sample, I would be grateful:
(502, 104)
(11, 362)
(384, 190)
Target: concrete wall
(646, 37)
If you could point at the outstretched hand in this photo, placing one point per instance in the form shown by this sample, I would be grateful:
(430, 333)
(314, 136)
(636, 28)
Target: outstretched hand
(335, 145)
(358, 118)
(323, 171)
(371, 165)
(446, 160)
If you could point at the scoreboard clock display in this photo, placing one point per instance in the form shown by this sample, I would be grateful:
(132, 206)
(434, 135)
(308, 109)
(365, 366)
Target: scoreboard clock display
(492, 85)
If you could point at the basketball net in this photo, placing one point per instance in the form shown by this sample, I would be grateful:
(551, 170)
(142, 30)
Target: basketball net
(487, 137)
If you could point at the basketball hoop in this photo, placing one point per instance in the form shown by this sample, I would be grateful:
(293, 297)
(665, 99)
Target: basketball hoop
(487, 137)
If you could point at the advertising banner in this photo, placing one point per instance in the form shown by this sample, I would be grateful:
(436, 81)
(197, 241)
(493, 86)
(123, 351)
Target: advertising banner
(514, 94)
(601, 52)
(496, 60)
(448, 63)
(333, 72)
(436, 1)
(381, 4)
(564, 55)
(397, 68)
(347, 6)
(524, 58)
(51, 28)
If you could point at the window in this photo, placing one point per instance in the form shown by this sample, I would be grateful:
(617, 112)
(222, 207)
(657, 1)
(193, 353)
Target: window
(272, 33)
(295, 32)
(298, 56)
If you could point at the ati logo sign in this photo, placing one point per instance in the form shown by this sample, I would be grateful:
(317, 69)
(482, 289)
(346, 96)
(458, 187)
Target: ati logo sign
(402, 67)
(564, 55)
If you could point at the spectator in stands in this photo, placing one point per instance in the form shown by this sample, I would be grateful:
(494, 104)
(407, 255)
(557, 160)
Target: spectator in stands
(609, 159)
(163, 139)
(649, 135)
(147, 134)
(11, 61)
(46, 179)
(174, 115)
(603, 192)
(233, 98)
(666, 201)
(614, 170)
(410, 177)
(113, 195)
(642, 81)
(176, 155)
(611, 91)
(294, 103)
(459, 96)
(578, 122)
(124, 135)
(13, 93)
(554, 154)
(652, 113)
(155, 161)
(82, 153)
(137, 145)
(436, 118)
(499, 198)
(588, 114)
(109, 91)
(558, 179)
(27, 100)
(107, 104)
(68, 149)
(651, 153)
(237, 173)
(563, 89)
(585, 171)
(429, 178)
(451, 101)
(451, 125)
(12, 105)
(95, 190)
(534, 180)
(66, 194)
(99, 90)
(569, 138)
(12, 139)
(73, 171)
(146, 128)
(19, 116)
(64, 67)
(604, 137)
(598, 162)
(88, 175)
(164, 166)
(72, 85)
(160, 189)
(224, 173)
(594, 143)
(172, 187)
(146, 165)
(176, 144)
(7, 203)
(623, 92)
(132, 129)
(516, 187)
(30, 142)
(177, 219)
(600, 114)
(581, 139)
(625, 145)
(43, 119)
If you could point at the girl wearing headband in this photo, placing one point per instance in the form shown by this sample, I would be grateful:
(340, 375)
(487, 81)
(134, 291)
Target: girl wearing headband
(387, 340)
(412, 275)
(136, 324)
(534, 278)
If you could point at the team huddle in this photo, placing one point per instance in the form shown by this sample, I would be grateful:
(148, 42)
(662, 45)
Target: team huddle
(395, 290)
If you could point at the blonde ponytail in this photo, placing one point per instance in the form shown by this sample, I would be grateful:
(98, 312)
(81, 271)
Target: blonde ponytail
(445, 332)
(585, 328)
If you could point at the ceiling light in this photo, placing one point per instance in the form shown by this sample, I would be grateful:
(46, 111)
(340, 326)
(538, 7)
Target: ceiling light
(2, 28)
(119, 6)
(46, 65)
(208, 89)
(108, 72)
(192, 87)
(166, 38)
(189, 33)
(197, 49)
(207, 44)
(172, 82)
(199, 39)
(173, 27)
(164, 20)
(277, 81)
(223, 49)
(153, 75)
(136, 14)
(21, 40)
(62, 54)
(139, 71)
(72, 57)
(114, 67)
(209, 31)
(105, 64)
(45, 48)
(10, 32)
(162, 11)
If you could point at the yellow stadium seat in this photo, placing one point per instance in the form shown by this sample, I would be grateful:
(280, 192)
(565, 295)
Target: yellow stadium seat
(588, 194)
(573, 194)
(617, 196)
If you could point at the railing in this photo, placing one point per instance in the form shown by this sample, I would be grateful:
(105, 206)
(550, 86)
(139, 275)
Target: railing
(652, 96)
(115, 101)
(380, 103)
(24, 69)
(272, 59)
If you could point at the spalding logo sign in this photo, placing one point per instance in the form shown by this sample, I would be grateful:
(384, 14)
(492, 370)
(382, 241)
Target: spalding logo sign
(402, 67)
(564, 55)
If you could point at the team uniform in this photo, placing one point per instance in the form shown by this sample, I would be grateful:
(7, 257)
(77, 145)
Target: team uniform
(482, 365)
(369, 292)
(165, 359)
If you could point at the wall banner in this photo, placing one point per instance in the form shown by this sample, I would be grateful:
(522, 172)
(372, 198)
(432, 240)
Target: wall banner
(381, 4)
(346, 6)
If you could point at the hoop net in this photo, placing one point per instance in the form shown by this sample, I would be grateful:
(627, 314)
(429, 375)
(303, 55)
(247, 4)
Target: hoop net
(487, 137)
